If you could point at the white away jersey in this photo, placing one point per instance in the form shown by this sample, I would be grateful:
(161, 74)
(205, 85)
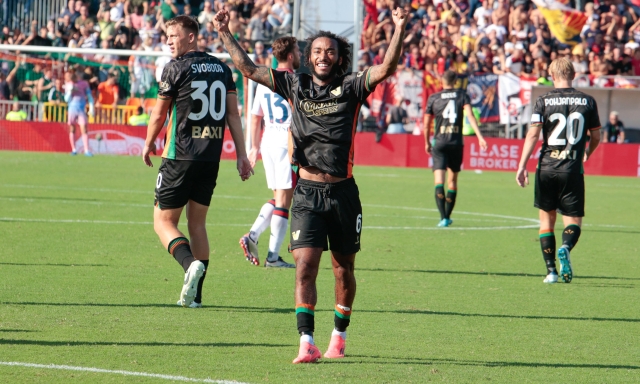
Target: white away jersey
(276, 113)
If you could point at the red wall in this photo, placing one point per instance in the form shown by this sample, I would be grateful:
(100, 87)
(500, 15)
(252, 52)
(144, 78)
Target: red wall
(393, 150)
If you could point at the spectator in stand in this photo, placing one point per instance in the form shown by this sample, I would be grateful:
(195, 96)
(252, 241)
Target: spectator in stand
(261, 55)
(116, 10)
(39, 39)
(108, 92)
(137, 17)
(207, 14)
(236, 27)
(84, 19)
(149, 31)
(396, 117)
(167, 11)
(88, 39)
(17, 38)
(105, 58)
(44, 84)
(259, 28)
(125, 27)
(614, 129)
(16, 113)
(187, 11)
(280, 16)
(69, 11)
(66, 29)
(5, 91)
(209, 32)
(107, 27)
(56, 93)
(134, 6)
(140, 119)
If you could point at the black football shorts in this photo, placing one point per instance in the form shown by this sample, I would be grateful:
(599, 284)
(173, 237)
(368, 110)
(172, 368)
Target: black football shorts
(182, 180)
(326, 210)
(447, 156)
(563, 192)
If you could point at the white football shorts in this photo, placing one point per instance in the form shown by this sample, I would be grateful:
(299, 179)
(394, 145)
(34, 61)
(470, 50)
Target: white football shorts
(277, 167)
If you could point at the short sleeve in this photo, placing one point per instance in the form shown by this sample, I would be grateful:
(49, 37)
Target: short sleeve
(465, 99)
(360, 84)
(282, 83)
(230, 83)
(538, 112)
(168, 86)
(256, 107)
(429, 109)
(593, 122)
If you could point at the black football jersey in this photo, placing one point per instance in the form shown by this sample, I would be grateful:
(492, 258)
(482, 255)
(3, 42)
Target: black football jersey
(324, 118)
(198, 83)
(448, 108)
(566, 115)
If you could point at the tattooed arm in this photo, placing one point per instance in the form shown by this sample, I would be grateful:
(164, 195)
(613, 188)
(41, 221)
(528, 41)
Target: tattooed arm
(261, 75)
(378, 73)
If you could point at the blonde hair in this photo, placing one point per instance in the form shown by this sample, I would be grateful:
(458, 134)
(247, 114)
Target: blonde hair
(562, 69)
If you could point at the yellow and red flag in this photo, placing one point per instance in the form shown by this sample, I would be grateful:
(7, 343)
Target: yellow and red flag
(565, 23)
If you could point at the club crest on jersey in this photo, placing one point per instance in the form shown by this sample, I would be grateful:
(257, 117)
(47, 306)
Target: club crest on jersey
(337, 92)
(163, 86)
(360, 74)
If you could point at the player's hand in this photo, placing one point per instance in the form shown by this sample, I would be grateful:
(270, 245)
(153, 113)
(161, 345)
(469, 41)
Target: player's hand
(221, 20)
(253, 157)
(522, 177)
(148, 149)
(244, 168)
(428, 148)
(400, 18)
(482, 143)
(586, 156)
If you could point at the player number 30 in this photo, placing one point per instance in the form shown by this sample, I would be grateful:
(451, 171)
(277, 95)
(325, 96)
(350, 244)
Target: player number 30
(208, 104)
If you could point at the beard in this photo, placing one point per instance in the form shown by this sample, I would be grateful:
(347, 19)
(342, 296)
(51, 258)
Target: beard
(327, 76)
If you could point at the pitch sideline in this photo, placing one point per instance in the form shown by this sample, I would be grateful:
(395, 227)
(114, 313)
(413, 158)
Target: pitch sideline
(117, 372)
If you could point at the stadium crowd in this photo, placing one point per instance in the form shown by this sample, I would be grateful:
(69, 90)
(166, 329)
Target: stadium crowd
(127, 24)
(499, 36)
(468, 36)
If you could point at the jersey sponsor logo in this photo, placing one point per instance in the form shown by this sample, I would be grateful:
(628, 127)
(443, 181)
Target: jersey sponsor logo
(565, 101)
(206, 67)
(313, 108)
(163, 86)
(448, 95)
(561, 155)
(337, 92)
(449, 129)
(206, 132)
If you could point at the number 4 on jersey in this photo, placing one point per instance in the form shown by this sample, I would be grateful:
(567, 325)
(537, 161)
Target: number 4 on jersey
(450, 112)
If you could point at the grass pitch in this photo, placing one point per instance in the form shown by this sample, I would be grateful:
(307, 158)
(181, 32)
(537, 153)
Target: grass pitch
(84, 282)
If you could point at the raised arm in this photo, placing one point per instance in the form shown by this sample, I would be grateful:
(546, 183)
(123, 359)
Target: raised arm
(261, 75)
(378, 73)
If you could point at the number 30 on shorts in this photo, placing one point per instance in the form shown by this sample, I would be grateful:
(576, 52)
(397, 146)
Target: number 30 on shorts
(359, 223)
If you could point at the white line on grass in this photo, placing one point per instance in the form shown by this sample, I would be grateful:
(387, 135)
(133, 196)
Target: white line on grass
(74, 221)
(117, 372)
(146, 192)
(106, 203)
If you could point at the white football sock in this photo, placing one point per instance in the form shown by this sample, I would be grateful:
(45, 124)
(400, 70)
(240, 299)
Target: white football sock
(307, 339)
(279, 222)
(262, 221)
(341, 334)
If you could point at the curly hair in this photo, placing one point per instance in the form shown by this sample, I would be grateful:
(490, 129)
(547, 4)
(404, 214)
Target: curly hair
(344, 50)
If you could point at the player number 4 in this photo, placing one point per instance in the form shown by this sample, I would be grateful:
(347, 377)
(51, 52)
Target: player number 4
(450, 112)
(574, 133)
(208, 104)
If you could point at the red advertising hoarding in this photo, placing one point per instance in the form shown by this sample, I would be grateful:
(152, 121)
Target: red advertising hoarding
(392, 150)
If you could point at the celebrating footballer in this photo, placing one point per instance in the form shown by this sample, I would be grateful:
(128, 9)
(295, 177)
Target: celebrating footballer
(326, 203)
